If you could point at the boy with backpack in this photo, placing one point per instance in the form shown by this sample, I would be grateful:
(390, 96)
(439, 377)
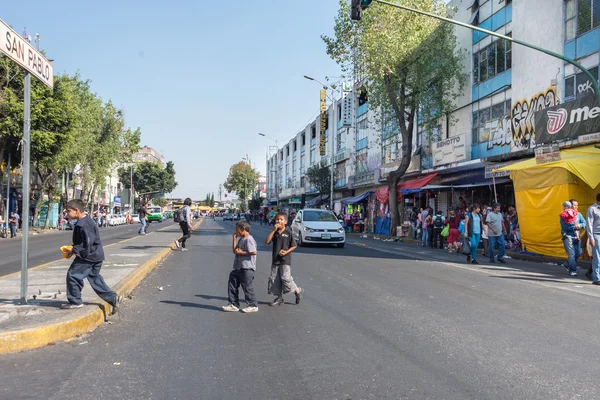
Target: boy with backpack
(184, 217)
(438, 226)
(244, 266)
(89, 256)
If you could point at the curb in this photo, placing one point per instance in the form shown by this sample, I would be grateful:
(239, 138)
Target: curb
(85, 321)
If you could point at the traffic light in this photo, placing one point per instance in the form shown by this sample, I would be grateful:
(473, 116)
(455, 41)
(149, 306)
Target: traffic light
(357, 7)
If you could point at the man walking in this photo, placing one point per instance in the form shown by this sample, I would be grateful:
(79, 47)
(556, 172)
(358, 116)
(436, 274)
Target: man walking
(496, 231)
(143, 213)
(593, 231)
(570, 239)
(13, 222)
(185, 223)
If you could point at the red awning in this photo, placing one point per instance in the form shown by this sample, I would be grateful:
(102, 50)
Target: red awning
(383, 195)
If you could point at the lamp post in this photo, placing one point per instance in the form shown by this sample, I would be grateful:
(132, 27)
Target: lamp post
(333, 129)
(268, 170)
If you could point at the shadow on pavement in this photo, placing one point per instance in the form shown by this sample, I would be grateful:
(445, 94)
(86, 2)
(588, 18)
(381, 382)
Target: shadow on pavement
(207, 297)
(144, 247)
(195, 305)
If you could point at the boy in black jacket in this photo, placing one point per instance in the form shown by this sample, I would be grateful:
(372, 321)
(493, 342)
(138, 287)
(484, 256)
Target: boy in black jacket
(89, 255)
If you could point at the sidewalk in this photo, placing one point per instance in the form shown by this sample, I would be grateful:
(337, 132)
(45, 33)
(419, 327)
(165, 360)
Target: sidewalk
(41, 322)
(547, 273)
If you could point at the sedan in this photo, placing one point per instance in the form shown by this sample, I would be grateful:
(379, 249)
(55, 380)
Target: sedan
(228, 217)
(318, 226)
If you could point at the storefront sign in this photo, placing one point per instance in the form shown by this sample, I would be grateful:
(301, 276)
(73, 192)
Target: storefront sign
(323, 126)
(117, 201)
(489, 171)
(591, 138)
(569, 120)
(295, 200)
(547, 154)
(449, 150)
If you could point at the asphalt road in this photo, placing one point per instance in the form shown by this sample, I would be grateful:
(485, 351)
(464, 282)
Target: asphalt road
(45, 247)
(372, 325)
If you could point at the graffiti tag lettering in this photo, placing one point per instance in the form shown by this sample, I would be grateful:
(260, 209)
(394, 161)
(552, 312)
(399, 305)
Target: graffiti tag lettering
(522, 122)
(585, 87)
(499, 133)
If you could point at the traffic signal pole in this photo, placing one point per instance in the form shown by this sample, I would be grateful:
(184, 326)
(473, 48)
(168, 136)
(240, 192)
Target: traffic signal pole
(491, 33)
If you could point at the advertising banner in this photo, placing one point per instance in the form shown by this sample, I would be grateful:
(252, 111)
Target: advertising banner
(569, 120)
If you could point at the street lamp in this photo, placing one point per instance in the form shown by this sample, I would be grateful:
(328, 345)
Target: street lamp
(333, 128)
(276, 154)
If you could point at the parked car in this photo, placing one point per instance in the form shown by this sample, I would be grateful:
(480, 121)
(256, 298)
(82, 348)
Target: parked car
(318, 226)
(135, 218)
(115, 220)
(154, 214)
(228, 217)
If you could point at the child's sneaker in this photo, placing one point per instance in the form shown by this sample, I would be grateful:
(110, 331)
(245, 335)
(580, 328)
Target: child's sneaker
(250, 309)
(230, 308)
(177, 244)
(299, 295)
(70, 306)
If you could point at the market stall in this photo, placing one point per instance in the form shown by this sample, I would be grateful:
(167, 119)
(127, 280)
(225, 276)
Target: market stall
(541, 188)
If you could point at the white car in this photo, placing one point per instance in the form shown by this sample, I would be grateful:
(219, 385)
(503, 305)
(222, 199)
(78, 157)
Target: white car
(318, 226)
(115, 219)
(135, 218)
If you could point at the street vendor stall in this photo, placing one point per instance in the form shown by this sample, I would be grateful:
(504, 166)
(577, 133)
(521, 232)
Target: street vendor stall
(540, 189)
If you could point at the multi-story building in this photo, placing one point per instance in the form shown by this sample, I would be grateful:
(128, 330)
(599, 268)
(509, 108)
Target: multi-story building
(492, 125)
(149, 154)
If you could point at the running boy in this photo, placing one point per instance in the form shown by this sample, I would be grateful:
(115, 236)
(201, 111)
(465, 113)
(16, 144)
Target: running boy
(244, 266)
(89, 255)
(281, 281)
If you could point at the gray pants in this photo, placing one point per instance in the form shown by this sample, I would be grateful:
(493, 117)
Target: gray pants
(281, 281)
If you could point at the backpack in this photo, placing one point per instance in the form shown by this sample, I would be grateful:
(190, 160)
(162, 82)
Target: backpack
(437, 222)
(179, 216)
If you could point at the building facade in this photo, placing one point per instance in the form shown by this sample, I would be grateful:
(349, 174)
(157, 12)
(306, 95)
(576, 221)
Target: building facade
(492, 125)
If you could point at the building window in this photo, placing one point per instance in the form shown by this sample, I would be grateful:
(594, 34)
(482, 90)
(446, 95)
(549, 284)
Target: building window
(484, 117)
(363, 130)
(578, 85)
(303, 139)
(313, 132)
(361, 161)
(492, 60)
(588, 15)
(390, 150)
(571, 20)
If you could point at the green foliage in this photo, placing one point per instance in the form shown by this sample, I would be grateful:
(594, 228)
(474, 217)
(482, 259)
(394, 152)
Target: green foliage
(161, 202)
(149, 178)
(242, 178)
(254, 204)
(320, 177)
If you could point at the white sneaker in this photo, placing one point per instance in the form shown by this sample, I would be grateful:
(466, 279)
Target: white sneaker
(250, 309)
(184, 249)
(177, 244)
(230, 308)
(70, 306)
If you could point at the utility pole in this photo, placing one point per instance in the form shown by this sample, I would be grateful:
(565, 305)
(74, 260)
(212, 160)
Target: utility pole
(220, 191)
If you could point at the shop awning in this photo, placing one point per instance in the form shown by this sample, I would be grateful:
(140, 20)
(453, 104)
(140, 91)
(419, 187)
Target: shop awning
(356, 199)
(383, 195)
(584, 162)
(317, 200)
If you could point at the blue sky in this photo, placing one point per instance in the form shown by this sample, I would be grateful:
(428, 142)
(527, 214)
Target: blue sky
(200, 78)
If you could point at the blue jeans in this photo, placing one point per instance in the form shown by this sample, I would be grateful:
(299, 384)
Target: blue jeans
(143, 227)
(424, 236)
(13, 230)
(80, 270)
(475, 238)
(501, 246)
(573, 249)
(596, 260)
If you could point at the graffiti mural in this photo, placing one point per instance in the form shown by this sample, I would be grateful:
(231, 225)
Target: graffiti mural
(522, 121)
(497, 133)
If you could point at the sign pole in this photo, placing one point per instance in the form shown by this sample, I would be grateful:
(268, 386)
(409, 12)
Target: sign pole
(8, 192)
(26, 187)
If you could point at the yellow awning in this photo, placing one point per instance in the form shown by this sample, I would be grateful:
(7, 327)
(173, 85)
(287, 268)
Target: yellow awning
(584, 162)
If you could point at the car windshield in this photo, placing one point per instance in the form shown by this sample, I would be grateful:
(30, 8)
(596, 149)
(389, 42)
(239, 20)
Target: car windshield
(323, 216)
(154, 210)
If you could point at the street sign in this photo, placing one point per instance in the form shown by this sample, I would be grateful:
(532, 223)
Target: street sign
(23, 53)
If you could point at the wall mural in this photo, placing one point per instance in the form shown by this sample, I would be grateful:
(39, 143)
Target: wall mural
(496, 133)
(522, 121)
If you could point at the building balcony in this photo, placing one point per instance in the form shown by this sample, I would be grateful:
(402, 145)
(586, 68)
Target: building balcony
(340, 183)
(362, 143)
(361, 110)
(342, 155)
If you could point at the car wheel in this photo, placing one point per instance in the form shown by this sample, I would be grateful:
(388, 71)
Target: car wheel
(341, 245)
(300, 242)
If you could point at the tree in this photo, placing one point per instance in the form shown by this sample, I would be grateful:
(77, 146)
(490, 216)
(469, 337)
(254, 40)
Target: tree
(149, 179)
(320, 177)
(411, 65)
(160, 201)
(241, 179)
